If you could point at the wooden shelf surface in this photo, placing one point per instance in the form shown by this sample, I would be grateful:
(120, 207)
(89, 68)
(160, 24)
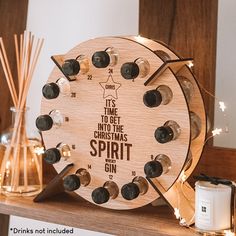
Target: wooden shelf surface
(71, 210)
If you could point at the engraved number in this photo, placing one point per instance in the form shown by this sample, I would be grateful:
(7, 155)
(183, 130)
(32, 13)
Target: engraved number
(73, 95)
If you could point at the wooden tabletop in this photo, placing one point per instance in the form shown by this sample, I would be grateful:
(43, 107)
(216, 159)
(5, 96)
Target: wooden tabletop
(71, 210)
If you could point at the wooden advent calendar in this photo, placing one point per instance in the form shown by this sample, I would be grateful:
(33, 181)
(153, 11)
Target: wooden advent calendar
(102, 112)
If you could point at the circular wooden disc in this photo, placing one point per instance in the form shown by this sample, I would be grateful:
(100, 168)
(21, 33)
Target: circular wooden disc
(111, 131)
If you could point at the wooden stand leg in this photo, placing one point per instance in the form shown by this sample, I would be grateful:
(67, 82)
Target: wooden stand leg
(4, 224)
(54, 187)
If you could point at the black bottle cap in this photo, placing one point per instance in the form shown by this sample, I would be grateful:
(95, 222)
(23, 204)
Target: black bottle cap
(152, 98)
(44, 122)
(71, 67)
(52, 155)
(130, 191)
(71, 182)
(51, 90)
(129, 70)
(101, 59)
(164, 134)
(100, 195)
(153, 169)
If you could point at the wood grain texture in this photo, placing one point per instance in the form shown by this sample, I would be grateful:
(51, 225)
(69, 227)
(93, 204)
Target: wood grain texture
(13, 21)
(218, 161)
(71, 210)
(4, 224)
(84, 114)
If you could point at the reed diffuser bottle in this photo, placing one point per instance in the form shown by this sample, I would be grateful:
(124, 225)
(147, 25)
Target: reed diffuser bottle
(21, 160)
(21, 169)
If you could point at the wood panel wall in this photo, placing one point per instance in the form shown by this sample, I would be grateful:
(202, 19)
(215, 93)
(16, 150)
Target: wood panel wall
(190, 27)
(13, 15)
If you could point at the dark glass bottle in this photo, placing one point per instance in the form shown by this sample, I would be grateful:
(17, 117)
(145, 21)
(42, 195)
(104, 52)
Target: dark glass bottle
(46, 122)
(74, 181)
(161, 165)
(52, 90)
(168, 132)
(132, 190)
(187, 87)
(72, 67)
(103, 59)
(102, 195)
(162, 95)
(196, 126)
(131, 70)
(54, 155)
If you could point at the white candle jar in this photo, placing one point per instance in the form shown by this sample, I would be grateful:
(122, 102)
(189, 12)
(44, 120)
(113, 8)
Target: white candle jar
(212, 206)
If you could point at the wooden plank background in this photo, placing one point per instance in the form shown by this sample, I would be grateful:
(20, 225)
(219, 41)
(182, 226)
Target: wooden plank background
(13, 15)
(189, 27)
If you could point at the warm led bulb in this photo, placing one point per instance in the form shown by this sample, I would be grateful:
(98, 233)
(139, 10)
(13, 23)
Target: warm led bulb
(176, 213)
(216, 131)
(229, 233)
(39, 150)
(222, 106)
(139, 38)
(64, 86)
(190, 64)
(182, 177)
(57, 117)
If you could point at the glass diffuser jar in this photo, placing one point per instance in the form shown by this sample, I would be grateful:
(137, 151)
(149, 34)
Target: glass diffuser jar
(21, 165)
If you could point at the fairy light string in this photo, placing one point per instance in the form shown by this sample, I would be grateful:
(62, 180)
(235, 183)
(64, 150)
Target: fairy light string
(216, 131)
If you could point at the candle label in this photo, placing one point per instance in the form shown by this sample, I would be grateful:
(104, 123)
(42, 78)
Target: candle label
(204, 210)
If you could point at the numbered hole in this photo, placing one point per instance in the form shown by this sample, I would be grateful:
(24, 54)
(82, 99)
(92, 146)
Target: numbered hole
(64, 149)
(112, 189)
(142, 184)
(84, 64)
(64, 86)
(103, 59)
(85, 177)
(144, 66)
(57, 117)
